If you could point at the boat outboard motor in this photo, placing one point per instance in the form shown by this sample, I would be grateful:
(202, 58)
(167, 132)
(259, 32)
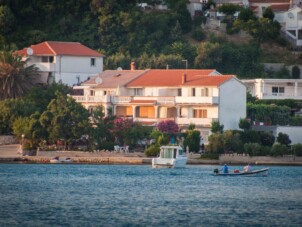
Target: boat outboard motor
(216, 171)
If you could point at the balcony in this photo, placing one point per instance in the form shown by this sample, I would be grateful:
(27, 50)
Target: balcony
(162, 100)
(196, 121)
(281, 96)
(196, 100)
(46, 67)
(91, 99)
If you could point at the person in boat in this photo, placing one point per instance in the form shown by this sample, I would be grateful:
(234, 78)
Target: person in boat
(225, 168)
(247, 168)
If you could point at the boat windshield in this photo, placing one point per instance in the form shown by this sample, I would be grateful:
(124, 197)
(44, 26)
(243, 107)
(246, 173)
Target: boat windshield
(168, 153)
(180, 152)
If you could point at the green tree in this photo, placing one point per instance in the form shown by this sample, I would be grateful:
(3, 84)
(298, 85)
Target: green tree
(15, 78)
(244, 124)
(216, 127)
(7, 20)
(216, 143)
(283, 138)
(246, 14)
(229, 9)
(31, 128)
(101, 135)
(262, 29)
(192, 139)
(65, 119)
(268, 13)
(296, 72)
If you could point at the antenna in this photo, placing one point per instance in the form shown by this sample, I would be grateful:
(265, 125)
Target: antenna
(98, 80)
(29, 51)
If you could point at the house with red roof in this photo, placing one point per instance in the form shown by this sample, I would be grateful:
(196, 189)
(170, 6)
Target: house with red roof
(186, 96)
(259, 6)
(63, 62)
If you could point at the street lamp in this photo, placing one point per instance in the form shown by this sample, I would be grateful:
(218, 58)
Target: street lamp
(22, 143)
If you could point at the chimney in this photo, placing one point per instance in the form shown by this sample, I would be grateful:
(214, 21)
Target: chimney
(183, 78)
(132, 65)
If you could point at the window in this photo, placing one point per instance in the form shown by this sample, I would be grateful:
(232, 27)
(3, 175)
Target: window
(92, 92)
(193, 92)
(138, 91)
(92, 61)
(204, 91)
(201, 113)
(49, 59)
(278, 91)
(179, 92)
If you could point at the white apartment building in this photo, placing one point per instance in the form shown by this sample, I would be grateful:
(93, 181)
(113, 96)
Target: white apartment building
(275, 88)
(185, 96)
(64, 62)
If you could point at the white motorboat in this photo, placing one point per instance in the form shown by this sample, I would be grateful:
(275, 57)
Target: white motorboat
(57, 160)
(170, 157)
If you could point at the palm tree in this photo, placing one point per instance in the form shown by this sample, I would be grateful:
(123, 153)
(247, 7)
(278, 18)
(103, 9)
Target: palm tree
(15, 77)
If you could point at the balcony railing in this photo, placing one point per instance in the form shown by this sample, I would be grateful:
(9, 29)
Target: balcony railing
(281, 96)
(160, 100)
(91, 99)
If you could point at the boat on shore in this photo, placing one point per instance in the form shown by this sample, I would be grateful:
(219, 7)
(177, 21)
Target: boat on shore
(57, 160)
(259, 172)
(170, 157)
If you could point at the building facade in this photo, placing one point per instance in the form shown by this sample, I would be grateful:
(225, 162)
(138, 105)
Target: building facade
(63, 62)
(185, 96)
(275, 88)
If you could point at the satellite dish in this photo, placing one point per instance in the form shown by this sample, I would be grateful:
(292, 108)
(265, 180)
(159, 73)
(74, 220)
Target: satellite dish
(98, 80)
(119, 69)
(29, 51)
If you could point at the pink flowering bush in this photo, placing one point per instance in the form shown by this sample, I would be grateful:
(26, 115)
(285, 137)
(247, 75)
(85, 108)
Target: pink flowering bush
(168, 126)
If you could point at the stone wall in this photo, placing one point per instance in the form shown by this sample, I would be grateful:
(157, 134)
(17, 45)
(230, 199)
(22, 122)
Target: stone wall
(8, 140)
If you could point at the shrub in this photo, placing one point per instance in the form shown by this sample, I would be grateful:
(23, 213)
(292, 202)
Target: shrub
(283, 138)
(210, 156)
(267, 139)
(264, 151)
(297, 149)
(198, 34)
(279, 150)
(152, 151)
(252, 149)
(107, 145)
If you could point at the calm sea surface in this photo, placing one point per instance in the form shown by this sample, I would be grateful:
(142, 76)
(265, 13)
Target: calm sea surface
(129, 195)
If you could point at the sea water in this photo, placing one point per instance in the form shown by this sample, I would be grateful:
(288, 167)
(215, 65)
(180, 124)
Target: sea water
(137, 195)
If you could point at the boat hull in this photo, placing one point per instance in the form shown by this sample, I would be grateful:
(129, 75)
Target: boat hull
(169, 162)
(260, 172)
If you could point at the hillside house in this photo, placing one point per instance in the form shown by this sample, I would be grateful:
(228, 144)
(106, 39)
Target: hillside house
(275, 88)
(63, 62)
(185, 96)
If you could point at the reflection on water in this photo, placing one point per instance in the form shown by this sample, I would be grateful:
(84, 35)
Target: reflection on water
(127, 195)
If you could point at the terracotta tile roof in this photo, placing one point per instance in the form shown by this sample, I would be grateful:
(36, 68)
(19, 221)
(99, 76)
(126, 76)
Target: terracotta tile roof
(269, 1)
(173, 78)
(50, 48)
(278, 8)
(114, 78)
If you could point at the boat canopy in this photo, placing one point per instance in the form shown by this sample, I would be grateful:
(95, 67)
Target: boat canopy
(170, 152)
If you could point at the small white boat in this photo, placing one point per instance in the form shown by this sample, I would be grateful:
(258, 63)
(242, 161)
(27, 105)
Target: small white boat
(259, 172)
(170, 157)
(57, 160)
